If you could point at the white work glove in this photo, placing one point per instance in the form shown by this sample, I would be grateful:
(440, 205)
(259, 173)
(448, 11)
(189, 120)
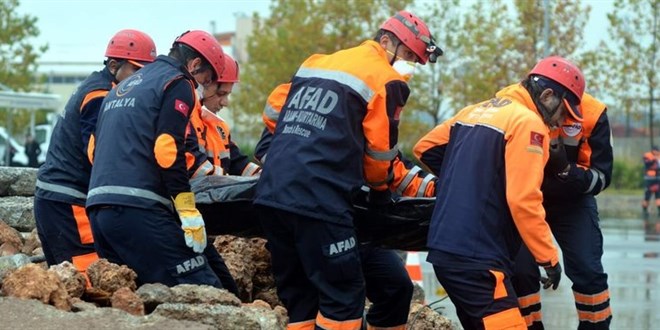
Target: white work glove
(191, 221)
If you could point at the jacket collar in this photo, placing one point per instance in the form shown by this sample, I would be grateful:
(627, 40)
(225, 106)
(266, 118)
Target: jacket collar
(376, 47)
(520, 94)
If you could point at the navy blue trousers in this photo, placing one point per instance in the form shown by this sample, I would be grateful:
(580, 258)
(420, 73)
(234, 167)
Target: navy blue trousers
(151, 243)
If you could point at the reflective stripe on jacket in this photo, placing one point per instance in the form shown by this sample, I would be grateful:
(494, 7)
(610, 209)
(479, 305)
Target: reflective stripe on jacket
(589, 149)
(338, 128)
(139, 156)
(490, 159)
(219, 150)
(64, 176)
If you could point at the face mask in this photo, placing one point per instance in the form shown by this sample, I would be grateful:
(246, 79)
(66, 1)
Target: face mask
(200, 92)
(405, 68)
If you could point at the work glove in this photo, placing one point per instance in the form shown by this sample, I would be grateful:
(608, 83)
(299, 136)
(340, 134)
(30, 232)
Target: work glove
(554, 275)
(379, 200)
(558, 161)
(191, 221)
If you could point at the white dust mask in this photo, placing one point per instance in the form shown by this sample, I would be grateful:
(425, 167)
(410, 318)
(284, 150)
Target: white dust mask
(405, 68)
(200, 92)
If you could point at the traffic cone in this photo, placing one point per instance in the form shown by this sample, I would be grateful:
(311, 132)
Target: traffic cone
(414, 268)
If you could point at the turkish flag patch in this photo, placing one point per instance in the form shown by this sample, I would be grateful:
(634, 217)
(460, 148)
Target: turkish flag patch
(536, 139)
(182, 107)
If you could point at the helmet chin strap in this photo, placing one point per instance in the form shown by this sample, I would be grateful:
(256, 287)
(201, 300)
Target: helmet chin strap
(396, 49)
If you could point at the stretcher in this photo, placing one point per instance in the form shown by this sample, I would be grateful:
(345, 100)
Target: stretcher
(226, 206)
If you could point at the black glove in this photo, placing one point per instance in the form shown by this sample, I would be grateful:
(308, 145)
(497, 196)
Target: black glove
(379, 200)
(554, 276)
(558, 161)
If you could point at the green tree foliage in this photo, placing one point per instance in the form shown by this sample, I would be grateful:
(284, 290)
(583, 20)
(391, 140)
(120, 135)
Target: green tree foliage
(428, 101)
(295, 30)
(489, 45)
(18, 56)
(627, 64)
(498, 44)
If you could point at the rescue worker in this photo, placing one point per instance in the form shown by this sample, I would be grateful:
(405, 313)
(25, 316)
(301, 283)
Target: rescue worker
(388, 286)
(213, 134)
(501, 145)
(408, 179)
(62, 181)
(337, 129)
(572, 213)
(139, 197)
(214, 151)
(651, 179)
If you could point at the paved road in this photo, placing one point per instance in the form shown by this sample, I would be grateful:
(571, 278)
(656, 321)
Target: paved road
(632, 261)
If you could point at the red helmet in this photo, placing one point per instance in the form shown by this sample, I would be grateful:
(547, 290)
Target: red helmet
(131, 45)
(566, 74)
(230, 73)
(207, 46)
(414, 33)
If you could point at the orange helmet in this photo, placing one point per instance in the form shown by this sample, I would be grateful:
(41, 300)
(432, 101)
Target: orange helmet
(207, 46)
(413, 33)
(131, 45)
(566, 74)
(230, 73)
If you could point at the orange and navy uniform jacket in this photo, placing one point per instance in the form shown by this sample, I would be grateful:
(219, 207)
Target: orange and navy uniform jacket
(64, 177)
(138, 153)
(216, 148)
(651, 172)
(337, 129)
(489, 159)
(408, 179)
(589, 150)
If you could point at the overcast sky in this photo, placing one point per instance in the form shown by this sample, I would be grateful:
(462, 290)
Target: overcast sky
(78, 30)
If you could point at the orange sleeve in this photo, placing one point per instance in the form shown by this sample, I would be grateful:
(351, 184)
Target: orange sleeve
(429, 150)
(92, 95)
(411, 181)
(274, 105)
(526, 154)
(380, 147)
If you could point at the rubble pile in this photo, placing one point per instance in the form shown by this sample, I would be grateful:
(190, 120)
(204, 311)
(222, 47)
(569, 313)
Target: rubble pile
(35, 296)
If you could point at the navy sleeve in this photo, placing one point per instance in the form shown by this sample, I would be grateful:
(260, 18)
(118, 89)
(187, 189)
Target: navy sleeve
(178, 103)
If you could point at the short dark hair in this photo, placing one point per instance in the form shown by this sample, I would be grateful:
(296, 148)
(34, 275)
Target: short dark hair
(185, 53)
(382, 32)
(536, 84)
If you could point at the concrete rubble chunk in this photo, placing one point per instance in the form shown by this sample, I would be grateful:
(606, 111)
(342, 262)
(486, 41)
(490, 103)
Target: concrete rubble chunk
(128, 301)
(219, 316)
(32, 242)
(17, 212)
(110, 277)
(202, 294)
(17, 181)
(248, 261)
(422, 317)
(268, 318)
(34, 282)
(10, 235)
(74, 282)
(30, 314)
(154, 294)
(11, 263)
(8, 249)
